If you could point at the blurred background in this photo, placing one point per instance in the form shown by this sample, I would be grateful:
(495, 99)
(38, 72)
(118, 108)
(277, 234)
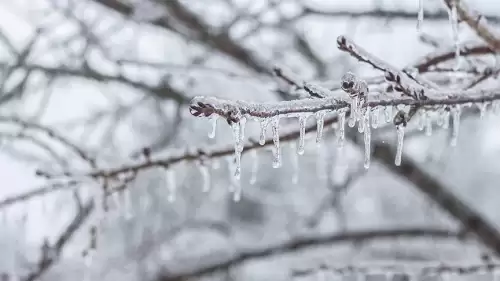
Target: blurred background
(87, 84)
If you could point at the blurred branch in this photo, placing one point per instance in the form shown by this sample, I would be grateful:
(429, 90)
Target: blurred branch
(406, 268)
(51, 253)
(477, 22)
(302, 243)
(471, 220)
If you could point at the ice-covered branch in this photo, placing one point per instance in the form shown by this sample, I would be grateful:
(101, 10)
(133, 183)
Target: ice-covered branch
(305, 242)
(477, 22)
(233, 111)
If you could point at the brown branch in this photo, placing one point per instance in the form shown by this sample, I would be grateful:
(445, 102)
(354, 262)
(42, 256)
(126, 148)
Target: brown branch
(302, 243)
(470, 219)
(476, 22)
(52, 253)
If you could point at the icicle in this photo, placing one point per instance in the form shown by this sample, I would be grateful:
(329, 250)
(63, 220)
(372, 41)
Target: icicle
(482, 109)
(320, 121)
(361, 123)
(238, 135)
(422, 119)
(213, 120)
(420, 19)
(263, 128)
(205, 177)
(237, 191)
(367, 137)
(375, 118)
(295, 163)
(127, 204)
(453, 18)
(495, 106)
(400, 141)
(456, 125)
(428, 125)
(302, 132)
(171, 185)
(231, 168)
(354, 109)
(255, 166)
(276, 139)
(341, 133)
(321, 155)
(446, 119)
(388, 113)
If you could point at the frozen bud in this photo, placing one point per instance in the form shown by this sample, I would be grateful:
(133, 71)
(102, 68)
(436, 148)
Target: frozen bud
(401, 118)
(347, 82)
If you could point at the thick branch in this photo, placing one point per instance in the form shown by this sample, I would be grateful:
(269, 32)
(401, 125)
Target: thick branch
(302, 243)
(469, 218)
(476, 22)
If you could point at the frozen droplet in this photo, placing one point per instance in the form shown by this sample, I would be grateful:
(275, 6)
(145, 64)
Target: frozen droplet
(456, 125)
(255, 166)
(263, 128)
(171, 185)
(276, 140)
(367, 137)
(205, 177)
(341, 132)
(375, 118)
(320, 121)
(353, 113)
(213, 120)
(302, 133)
(400, 141)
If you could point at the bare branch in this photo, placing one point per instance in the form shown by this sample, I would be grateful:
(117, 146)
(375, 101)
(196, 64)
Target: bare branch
(301, 243)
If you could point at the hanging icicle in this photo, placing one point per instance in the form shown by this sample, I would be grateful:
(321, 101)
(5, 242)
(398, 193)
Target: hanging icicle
(367, 137)
(354, 111)
(482, 109)
(302, 133)
(428, 125)
(295, 163)
(388, 114)
(171, 184)
(255, 166)
(237, 153)
(238, 135)
(400, 141)
(205, 177)
(276, 139)
(263, 128)
(213, 121)
(375, 118)
(456, 125)
(420, 19)
(453, 18)
(320, 121)
(341, 129)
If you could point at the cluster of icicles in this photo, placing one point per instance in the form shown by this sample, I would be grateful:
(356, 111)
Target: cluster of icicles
(365, 117)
